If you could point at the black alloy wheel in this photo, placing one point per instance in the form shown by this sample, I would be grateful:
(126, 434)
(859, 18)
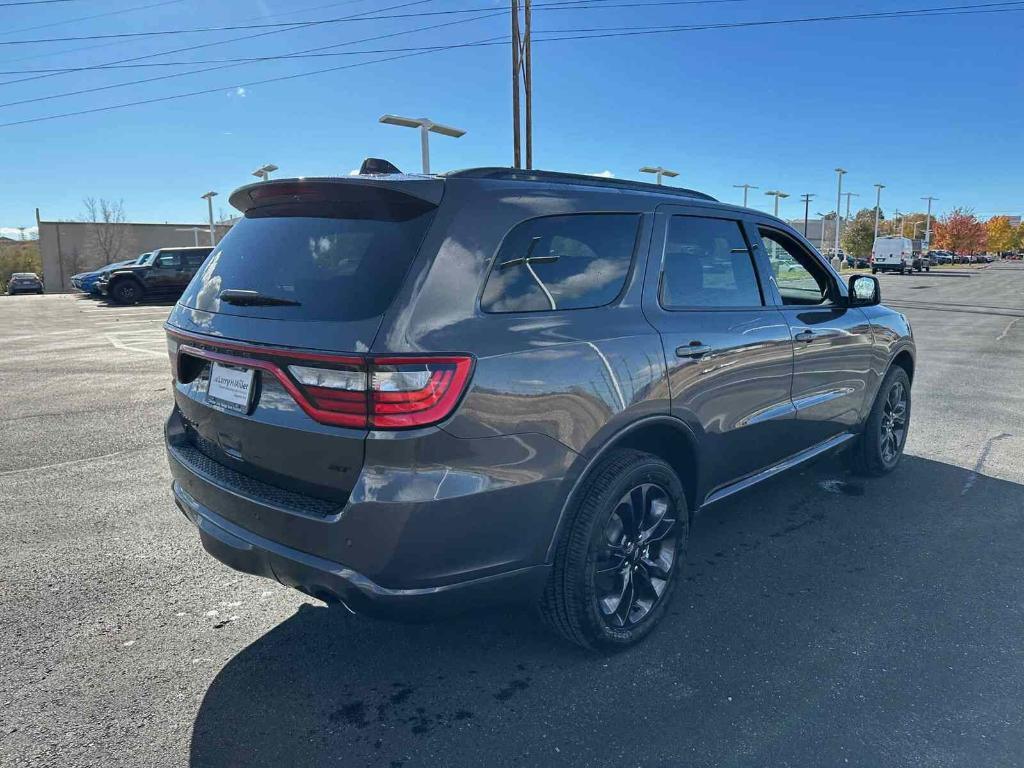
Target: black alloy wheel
(633, 569)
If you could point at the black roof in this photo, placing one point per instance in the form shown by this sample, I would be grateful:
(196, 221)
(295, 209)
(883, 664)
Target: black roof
(576, 179)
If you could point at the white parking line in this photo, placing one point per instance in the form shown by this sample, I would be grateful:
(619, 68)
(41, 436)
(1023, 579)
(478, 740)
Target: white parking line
(117, 343)
(1006, 330)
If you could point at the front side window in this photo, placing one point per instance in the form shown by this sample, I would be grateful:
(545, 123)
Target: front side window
(166, 261)
(707, 264)
(562, 262)
(801, 279)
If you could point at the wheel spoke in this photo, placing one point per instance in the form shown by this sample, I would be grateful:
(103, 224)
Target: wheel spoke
(657, 509)
(663, 529)
(621, 612)
(614, 561)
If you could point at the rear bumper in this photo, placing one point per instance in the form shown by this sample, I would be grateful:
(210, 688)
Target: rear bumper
(334, 583)
(412, 540)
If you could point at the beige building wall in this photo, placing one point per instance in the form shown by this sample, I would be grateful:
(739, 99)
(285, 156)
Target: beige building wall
(69, 247)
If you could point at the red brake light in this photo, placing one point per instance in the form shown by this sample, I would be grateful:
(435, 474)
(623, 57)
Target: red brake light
(374, 392)
(414, 392)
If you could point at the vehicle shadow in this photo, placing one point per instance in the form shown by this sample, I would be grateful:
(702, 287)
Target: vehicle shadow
(822, 615)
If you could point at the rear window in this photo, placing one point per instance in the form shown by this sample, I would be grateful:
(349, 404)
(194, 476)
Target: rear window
(337, 269)
(562, 262)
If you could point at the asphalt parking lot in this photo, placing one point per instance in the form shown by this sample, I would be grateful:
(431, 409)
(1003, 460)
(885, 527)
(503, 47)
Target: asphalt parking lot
(826, 620)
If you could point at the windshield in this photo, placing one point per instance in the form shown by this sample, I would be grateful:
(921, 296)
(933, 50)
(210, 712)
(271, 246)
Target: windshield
(322, 268)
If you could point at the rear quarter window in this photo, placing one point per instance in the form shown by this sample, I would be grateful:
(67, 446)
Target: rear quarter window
(552, 263)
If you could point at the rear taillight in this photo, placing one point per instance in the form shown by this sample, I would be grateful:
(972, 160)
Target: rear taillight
(413, 392)
(373, 392)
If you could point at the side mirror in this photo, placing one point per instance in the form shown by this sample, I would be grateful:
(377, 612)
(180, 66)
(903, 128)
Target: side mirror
(864, 291)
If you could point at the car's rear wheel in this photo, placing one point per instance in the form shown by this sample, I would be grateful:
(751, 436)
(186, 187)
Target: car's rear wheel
(126, 291)
(879, 448)
(619, 561)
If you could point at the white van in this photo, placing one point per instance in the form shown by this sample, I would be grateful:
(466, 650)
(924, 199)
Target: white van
(892, 254)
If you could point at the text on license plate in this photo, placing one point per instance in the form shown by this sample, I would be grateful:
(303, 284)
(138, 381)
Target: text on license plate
(230, 387)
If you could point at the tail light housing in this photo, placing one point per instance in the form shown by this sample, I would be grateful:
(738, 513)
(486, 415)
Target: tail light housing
(387, 392)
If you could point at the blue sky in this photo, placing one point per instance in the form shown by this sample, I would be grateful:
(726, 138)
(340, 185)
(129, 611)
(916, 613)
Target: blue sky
(924, 105)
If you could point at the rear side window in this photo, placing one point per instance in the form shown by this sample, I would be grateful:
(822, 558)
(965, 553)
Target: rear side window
(708, 264)
(195, 259)
(562, 262)
(331, 268)
(167, 260)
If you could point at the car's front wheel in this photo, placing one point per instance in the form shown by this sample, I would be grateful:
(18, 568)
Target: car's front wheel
(618, 563)
(126, 291)
(879, 448)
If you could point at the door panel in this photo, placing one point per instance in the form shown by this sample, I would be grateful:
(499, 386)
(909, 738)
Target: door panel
(730, 367)
(833, 344)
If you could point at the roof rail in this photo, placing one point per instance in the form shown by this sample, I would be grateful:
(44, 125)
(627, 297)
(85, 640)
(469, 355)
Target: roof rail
(557, 177)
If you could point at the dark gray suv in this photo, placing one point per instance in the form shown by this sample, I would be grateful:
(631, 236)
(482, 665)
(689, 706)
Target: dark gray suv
(415, 394)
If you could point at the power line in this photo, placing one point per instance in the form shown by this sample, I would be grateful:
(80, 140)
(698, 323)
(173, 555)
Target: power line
(318, 22)
(35, 2)
(89, 18)
(143, 81)
(200, 45)
(567, 35)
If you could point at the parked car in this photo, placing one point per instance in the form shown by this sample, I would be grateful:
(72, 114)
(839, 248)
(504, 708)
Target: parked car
(892, 254)
(921, 262)
(415, 394)
(164, 273)
(24, 282)
(858, 262)
(941, 257)
(88, 282)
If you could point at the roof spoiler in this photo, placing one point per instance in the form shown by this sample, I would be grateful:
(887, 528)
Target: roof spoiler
(419, 191)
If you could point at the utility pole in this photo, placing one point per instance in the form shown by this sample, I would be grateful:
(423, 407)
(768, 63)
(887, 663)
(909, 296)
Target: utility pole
(878, 206)
(777, 194)
(807, 208)
(928, 225)
(522, 67)
(840, 172)
(746, 188)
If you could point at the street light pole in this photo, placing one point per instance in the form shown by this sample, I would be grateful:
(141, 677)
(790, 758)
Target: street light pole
(426, 127)
(263, 173)
(821, 242)
(777, 194)
(807, 208)
(878, 206)
(848, 196)
(659, 172)
(208, 197)
(840, 172)
(928, 226)
(746, 188)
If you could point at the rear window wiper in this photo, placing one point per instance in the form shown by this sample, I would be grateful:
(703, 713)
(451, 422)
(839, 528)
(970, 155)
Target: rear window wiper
(245, 298)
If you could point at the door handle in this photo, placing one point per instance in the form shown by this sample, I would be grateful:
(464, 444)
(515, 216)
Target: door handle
(805, 335)
(693, 349)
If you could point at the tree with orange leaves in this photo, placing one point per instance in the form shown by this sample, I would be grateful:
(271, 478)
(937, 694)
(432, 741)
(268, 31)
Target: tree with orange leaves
(960, 231)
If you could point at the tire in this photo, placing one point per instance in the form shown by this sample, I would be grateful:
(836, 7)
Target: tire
(928, 269)
(903, 270)
(126, 291)
(868, 456)
(874, 271)
(579, 603)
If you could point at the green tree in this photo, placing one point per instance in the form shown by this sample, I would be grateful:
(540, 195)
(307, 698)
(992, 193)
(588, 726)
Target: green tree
(859, 235)
(19, 258)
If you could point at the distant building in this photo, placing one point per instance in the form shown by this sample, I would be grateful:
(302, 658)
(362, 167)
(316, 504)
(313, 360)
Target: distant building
(69, 247)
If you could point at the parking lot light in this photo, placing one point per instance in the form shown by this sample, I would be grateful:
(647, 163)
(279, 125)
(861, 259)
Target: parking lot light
(208, 197)
(658, 171)
(878, 206)
(263, 172)
(777, 194)
(840, 172)
(426, 127)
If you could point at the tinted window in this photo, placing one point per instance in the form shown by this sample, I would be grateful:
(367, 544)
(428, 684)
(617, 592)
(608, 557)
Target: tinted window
(562, 262)
(336, 268)
(800, 277)
(166, 260)
(708, 264)
(195, 259)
